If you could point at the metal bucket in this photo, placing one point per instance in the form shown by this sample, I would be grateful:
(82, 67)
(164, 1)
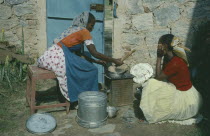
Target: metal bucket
(92, 111)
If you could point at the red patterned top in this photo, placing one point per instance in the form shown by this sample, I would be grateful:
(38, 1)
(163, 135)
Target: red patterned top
(178, 73)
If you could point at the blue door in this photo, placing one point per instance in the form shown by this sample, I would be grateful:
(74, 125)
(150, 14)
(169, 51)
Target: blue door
(60, 14)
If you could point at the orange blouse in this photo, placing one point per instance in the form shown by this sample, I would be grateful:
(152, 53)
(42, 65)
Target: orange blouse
(76, 38)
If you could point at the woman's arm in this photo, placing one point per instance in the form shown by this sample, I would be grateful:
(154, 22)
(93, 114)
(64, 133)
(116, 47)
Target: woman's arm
(101, 56)
(159, 73)
(101, 62)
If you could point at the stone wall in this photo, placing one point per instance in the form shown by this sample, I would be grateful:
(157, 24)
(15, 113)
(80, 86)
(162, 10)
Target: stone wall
(29, 14)
(140, 23)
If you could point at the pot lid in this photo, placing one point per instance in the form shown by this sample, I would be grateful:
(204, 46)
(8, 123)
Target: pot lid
(41, 123)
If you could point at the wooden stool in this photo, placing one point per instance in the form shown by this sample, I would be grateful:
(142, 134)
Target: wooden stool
(35, 73)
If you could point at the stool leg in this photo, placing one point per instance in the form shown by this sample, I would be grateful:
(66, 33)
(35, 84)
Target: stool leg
(67, 107)
(33, 91)
(27, 91)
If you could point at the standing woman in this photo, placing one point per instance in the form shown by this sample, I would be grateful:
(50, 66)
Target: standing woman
(175, 99)
(66, 58)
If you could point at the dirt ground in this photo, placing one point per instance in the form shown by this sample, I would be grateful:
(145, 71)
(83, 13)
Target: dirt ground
(14, 114)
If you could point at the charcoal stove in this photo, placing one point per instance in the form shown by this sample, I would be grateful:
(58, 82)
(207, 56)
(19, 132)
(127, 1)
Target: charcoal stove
(121, 89)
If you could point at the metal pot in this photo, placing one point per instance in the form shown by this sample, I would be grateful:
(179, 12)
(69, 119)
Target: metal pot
(92, 109)
(117, 74)
(113, 75)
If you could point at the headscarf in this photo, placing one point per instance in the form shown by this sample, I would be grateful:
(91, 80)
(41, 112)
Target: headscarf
(179, 49)
(79, 23)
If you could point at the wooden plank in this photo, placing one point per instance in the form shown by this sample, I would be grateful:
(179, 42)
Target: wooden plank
(51, 106)
(19, 57)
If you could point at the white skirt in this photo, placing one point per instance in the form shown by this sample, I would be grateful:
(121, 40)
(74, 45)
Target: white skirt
(161, 101)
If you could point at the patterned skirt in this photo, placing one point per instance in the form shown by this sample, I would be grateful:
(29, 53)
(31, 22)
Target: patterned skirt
(53, 59)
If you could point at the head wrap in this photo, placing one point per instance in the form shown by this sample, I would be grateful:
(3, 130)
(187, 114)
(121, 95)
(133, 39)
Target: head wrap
(79, 22)
(179, 49)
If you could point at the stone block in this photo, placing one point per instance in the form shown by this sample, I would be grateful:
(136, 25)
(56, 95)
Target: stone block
(143, 22)
(153, 53)
(153, 36)
(109, 128)
(133, 39)
(182, 29)
(129, 116)
(30, 35)
(30, 16)
(9, 23)
(15, 2)
(5, 12)
(166, 15)
(141, 56)
(12, 38)
(32, 22)
(23, 9)
(134, 6)
(113, 134)
(1, 1)
(152, 4)
(181, 1)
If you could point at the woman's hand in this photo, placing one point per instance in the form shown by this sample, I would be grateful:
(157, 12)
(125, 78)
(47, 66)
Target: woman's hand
(118, 62)
(101, 62)
(160, 51)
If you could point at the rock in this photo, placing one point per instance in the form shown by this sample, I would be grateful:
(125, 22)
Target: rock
(30, 17)
(9, 23)
(164, 16)
(12, 38)
(30, 36)
(23, 9)
(109, 128)
(5, 45)
(15, 2)
(143, 22)
(153, 53)
(1, 1)
(153, 36)
(61, 129)
(152, 4)
(114, 134)
(146, 9)
(141, 56)
(181, 1)
(133, 39)
(5, 12)
(129, 116)
(181, 29)
(134, 7)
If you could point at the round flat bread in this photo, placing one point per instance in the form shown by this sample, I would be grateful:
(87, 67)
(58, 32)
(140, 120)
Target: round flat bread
(141, 72)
